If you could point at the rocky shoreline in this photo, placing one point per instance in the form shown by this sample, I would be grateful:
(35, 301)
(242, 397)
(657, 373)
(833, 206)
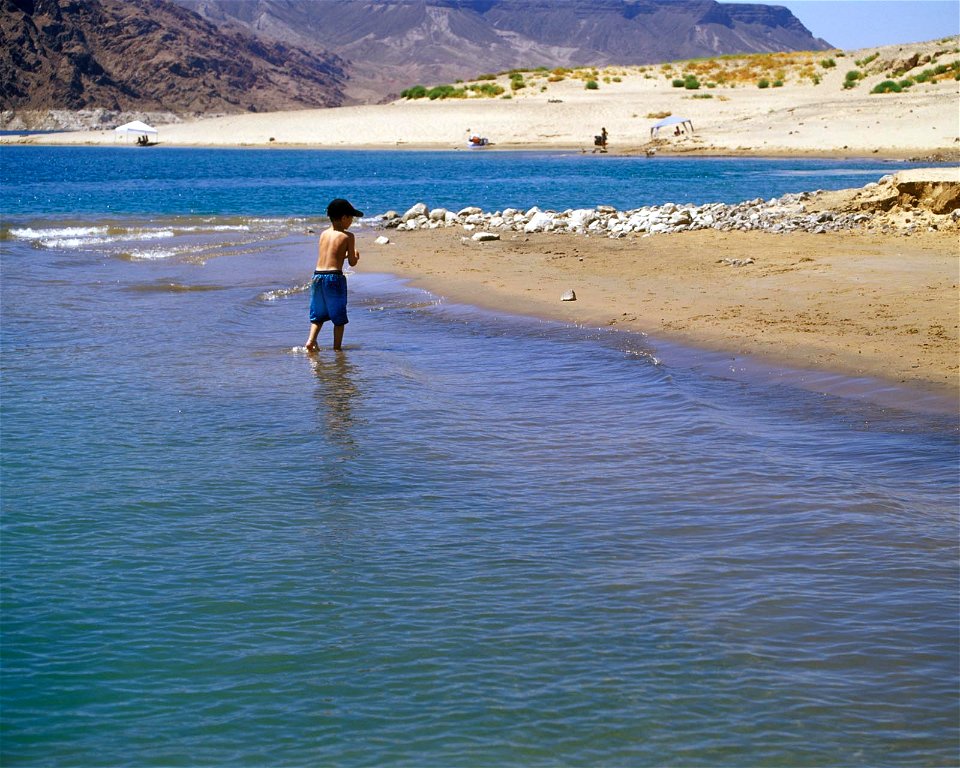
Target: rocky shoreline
(893, 205)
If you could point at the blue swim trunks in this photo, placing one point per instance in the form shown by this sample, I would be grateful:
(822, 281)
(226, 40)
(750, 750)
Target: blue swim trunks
(328, 298)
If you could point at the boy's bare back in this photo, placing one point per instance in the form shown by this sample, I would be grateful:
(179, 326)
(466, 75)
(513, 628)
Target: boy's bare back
(335, 247)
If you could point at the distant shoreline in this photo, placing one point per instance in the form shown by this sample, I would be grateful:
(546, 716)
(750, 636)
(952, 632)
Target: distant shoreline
(945, 156)
(896, 102)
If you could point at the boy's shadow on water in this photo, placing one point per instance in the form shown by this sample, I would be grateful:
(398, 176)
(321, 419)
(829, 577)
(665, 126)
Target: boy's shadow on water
(337, 394)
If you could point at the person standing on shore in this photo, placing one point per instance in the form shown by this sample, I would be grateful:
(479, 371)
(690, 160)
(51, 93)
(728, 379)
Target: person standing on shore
(328, 289)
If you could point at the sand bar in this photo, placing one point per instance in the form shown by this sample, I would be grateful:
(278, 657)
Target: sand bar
(879, 301)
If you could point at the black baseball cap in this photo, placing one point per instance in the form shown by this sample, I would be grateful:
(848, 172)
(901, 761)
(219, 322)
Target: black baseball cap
(339, 208)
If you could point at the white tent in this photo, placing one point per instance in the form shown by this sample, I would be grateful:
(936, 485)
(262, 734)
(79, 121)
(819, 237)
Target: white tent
(684, 122)
(136, 128)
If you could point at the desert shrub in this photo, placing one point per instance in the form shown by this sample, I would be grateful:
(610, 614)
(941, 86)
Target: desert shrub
(487, 76)
(763, 83)
(516, 85)
(446, 92)
(887, 86)
(828, 63)
(556, 79)
(416, 92)
(866, 60)
(617, 80)
(778, 83)
(487, 89)
(702, 96)
(691, 83)
(850, 81)
(906, 82)
(592, 85)
(658, 115)
(678, 83)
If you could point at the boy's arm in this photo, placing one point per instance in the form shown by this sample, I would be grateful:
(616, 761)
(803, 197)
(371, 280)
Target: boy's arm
(353, 255)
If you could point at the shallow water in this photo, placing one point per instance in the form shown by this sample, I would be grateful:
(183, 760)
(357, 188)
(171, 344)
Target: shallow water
(468, 540)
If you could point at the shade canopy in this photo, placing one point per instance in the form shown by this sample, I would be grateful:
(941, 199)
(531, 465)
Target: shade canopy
(683, 121)
(136, 128)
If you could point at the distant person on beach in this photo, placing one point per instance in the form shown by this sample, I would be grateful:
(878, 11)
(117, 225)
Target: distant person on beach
(328, 289)
(600, 140)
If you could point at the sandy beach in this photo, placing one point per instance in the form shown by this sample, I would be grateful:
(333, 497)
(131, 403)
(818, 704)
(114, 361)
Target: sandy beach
(879, 301)
(803, 108)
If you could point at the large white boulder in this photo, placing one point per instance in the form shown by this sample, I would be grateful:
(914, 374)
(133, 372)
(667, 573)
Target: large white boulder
(420, 209)
(581, 217)
(540, 222)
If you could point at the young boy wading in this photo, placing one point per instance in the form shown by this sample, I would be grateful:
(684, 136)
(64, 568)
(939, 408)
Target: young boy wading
(328, 291)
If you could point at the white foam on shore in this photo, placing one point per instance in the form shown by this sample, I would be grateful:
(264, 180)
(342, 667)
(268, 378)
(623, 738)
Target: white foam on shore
(281, 293)
(64, 232)
(216, 228)
(151, 255)
(69, 243)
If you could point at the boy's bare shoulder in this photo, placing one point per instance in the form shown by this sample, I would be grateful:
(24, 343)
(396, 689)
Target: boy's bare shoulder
(334, 234)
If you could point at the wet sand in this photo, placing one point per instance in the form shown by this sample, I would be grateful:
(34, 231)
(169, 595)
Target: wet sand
(861, 304)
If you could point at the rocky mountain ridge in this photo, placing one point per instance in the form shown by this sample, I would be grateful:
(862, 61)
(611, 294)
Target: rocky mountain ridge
(87, 62)
(394, 44)
(110, 57)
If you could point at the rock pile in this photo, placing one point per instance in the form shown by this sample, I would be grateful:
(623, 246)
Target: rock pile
(790, 213)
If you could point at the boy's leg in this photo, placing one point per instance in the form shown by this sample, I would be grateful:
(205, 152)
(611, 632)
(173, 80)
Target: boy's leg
(311, 344)
(338, 336)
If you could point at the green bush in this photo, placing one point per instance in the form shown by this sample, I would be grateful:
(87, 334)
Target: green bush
(516, 83)
(850, 81)
(702, 96)
(446, 92)
(678, 83)
(828, 63)
(487, 89)
(763, 83)
(866, 60)
(416, 92)
(486, 77)
(691, 83)
(592, 85)
(887, 86)
(778, 83)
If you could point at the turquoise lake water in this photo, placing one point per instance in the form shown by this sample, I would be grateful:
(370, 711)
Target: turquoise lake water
(469, 540)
